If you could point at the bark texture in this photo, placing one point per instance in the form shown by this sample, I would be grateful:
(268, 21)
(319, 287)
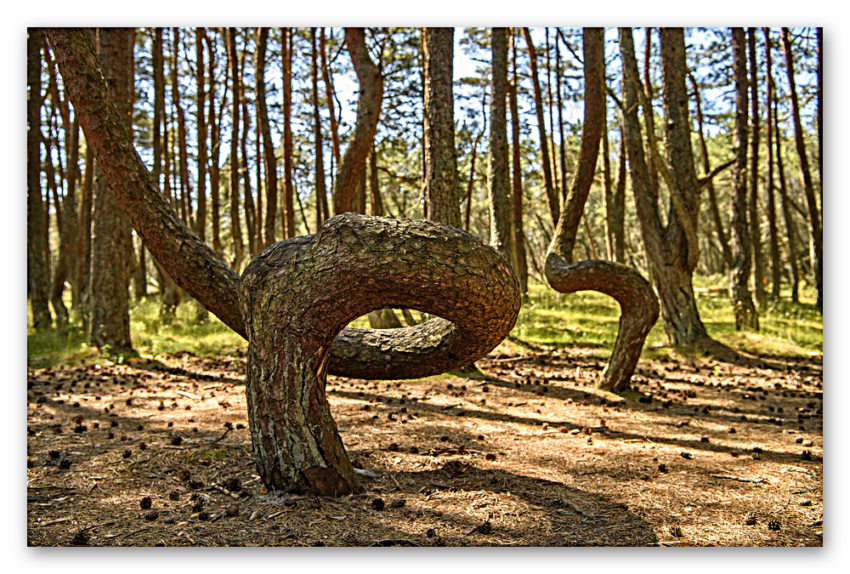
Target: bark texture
(368, 112)
(498, 175)
(296, 297)
(671, 249)
(552, 196)
(746, 316)
(753, 174)
(110, 314)
(520, 260)
(805, 173)
(638, 304)
(775, 263)
(442, 187)
(38, 273)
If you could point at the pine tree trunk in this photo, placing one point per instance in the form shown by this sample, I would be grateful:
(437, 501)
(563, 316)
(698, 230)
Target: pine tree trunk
(442, 187)
(38, 274)
(268, 143)
(753, 173)
(84, 241)
(788, 216)
(329, 91)
(201, 121)
(250, 210)
(775, 263)
(639, 307)
(521, 263)
(321, 190)
(215, 146)
(235, 224)
(498, 174)
(811, 202)
(110, 314)
(746, 316)
(368, 112)
(552, 196)
(672, 257)
(648, 112)
(288, 188)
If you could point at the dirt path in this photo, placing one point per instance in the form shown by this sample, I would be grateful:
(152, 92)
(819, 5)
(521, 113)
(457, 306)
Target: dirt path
(699, 453)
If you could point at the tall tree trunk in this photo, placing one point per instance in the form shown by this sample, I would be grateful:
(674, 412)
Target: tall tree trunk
(321, 191)
(820, 112)
(471, 179)
(619, 202)
(110, 321)
(638, 304)
(442, 187)
(608, 186)
(288, 188)
(788, 216)
(521, 263)
(250, 210)
(375, 200)
(38, 274)
(235, 225)
(329, 91)
(712, 194)
(201, 218)
(215, 146)
(560, 186)
(185, 183)
(563, 146)
(775, 263)
(672, 250)
(552, 196)
(84, 241)
(648, 113)
(755, 228)
(268, 143)
(498, 174)
(746, 316)
(811, 202)
(368, 112)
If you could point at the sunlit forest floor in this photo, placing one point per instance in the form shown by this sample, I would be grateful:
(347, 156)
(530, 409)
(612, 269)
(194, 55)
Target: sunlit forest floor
(698, 452)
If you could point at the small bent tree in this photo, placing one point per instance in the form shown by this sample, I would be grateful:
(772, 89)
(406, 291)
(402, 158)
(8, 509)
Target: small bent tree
(638, 303)
(294, 299)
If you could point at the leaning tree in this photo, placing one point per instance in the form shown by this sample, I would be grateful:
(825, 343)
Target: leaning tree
(638, 303)
(294, 299)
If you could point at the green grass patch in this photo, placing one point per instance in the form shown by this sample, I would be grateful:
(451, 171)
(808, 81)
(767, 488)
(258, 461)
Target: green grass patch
(585, 319)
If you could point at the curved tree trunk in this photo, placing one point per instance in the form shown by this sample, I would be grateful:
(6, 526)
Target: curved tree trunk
(368, 112)
(296, 296)
(296, 445)
(638, 304)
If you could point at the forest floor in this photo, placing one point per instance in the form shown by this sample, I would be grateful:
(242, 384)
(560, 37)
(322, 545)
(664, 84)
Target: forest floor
(699, 452)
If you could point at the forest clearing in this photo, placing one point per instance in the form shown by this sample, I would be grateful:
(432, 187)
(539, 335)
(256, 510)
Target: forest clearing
(425, 287)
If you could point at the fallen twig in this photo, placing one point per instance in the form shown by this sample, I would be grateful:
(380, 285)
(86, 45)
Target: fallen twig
(738, 478)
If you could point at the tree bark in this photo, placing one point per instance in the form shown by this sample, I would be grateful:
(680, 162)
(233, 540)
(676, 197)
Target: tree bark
(368, 112)
(788, 216)
(110, 321)
(296, 445)
(552, 196)
(215, 146)
(520, 260)
(811, 202)
(672, 256)
(746, 316)
(619, 203)
(442, 187)
(498, 175)
(288, 187)
(753, 173)
(712, 194)
(639, 307)
(329, 90)
(775, 263)
(38, 273)
(268, 144)
(649, 113)
(321, 191)
(235, 225)
(250, 210)
(84, 241)
(200, 116)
